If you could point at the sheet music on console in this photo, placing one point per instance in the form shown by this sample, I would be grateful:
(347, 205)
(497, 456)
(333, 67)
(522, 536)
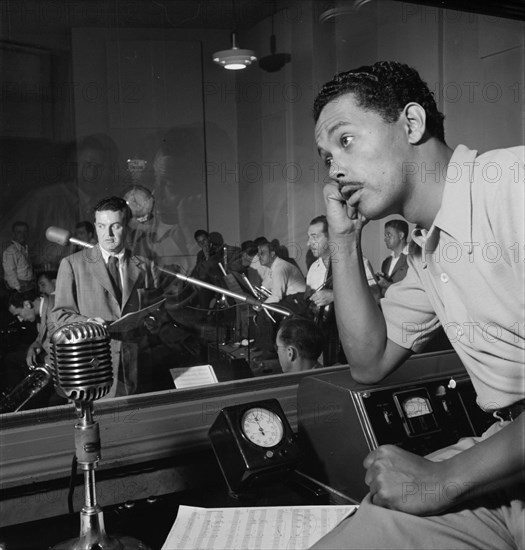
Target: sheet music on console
(261, 528)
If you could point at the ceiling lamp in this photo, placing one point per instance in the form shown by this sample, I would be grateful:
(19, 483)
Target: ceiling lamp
(234, 58)
(274, 61)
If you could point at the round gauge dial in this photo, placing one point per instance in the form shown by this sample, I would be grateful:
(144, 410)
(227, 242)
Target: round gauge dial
(262, 427)
(416, 406)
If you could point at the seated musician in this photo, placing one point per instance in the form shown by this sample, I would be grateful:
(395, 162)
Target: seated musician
(251, 263)
(284, 279)
(287, 286)
(319, 291)
(23, 306)
(394, 268)
(206, 267)
(231, 256)
(299, 343)
(33, 312)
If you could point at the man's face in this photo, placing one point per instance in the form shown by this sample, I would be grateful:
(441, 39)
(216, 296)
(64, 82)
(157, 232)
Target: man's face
(204, 243)
(392, 238)
(45, 286)
(265, 256)
(20, 234)
(111, 230)
(365, 156)
(318, 240)
(25, 313)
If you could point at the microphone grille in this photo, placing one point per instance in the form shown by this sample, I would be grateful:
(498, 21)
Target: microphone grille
(81, 357)
(58, 235)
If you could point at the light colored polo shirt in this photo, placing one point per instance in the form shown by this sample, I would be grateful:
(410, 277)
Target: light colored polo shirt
(468, 274)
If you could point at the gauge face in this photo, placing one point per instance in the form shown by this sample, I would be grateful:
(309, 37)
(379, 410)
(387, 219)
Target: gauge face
(416, 406)
(262, 427)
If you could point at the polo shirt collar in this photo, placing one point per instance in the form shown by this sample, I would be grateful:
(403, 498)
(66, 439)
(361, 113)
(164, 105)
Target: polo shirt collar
(455, 213)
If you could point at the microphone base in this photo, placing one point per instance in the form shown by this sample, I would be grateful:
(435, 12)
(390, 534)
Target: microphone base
(93, 535)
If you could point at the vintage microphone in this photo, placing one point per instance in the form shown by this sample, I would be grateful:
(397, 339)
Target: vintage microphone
(82, 372)
(63, 237)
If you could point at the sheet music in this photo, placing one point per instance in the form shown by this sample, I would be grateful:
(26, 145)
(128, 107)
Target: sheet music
(263, 528)
(188, 377)
(133, 320)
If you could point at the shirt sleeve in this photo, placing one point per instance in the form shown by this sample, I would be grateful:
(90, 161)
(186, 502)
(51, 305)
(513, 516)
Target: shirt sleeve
(9, 265)
(410, 318)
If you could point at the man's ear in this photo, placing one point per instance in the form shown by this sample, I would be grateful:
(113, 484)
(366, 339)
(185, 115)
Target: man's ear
(416, 120)
(292, 353)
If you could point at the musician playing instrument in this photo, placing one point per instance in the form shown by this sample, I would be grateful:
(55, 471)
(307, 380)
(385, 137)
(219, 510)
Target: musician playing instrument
(319, 291)
(318, 279)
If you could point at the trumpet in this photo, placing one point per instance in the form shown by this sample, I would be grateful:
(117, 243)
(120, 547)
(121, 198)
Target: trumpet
(37, 379)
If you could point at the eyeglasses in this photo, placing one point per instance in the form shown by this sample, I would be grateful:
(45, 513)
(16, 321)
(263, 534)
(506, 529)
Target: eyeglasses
(277, 346)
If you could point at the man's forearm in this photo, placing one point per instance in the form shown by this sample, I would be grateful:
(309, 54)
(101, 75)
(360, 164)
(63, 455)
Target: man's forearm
(403, 481)
(491, 464)
(361, 324)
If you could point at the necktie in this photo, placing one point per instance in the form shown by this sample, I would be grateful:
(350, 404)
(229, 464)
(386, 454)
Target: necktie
(115, 276)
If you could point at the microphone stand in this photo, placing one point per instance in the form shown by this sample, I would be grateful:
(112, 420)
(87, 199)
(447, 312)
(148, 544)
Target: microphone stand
(83, 373)
(92, 530)
(244, 298)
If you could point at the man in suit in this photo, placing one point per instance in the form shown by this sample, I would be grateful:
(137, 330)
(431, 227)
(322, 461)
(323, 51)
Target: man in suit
(104, 283)
(394, 268)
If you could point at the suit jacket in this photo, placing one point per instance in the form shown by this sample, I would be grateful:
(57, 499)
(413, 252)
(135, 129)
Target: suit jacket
(84, 290)
(400, 269)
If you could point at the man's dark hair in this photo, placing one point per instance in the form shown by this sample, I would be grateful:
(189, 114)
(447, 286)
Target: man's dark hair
(398, 225)
(385, 87)
(200, 232)
(250, 248)
(17, 299)
(19, 224)
(114, 204)
(260, 240)
(88, 226)
(304, 335)
(321, 219)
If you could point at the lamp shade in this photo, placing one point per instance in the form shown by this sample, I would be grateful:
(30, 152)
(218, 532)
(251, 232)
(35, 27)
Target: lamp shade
(235, 58)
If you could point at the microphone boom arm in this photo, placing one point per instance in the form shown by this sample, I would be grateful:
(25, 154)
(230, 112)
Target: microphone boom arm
(244, 298)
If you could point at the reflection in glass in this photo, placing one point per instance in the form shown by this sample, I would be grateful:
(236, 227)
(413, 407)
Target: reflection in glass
(133, 105)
